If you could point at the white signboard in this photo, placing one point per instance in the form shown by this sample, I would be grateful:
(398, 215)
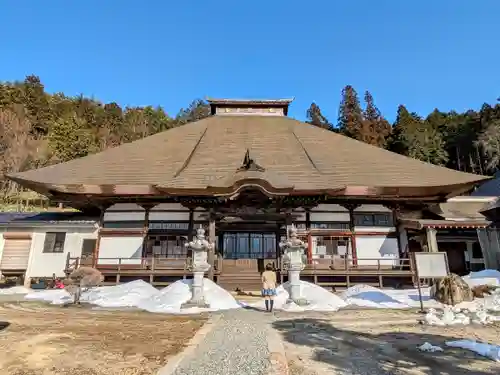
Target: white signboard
(431, 265)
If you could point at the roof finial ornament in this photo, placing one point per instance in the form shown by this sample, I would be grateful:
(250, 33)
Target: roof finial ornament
(249, 164)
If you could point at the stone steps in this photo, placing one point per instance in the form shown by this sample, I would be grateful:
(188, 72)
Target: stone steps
(242, 281)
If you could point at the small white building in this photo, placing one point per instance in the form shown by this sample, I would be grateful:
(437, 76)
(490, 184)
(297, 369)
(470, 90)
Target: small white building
(37, 245)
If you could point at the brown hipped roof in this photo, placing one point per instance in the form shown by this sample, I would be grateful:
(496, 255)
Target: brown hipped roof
(208, 157)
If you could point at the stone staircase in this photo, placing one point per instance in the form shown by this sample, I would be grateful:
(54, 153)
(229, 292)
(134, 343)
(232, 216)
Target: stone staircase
(243, 281)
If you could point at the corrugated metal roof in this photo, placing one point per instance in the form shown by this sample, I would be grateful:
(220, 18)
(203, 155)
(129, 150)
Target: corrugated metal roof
(41, 218)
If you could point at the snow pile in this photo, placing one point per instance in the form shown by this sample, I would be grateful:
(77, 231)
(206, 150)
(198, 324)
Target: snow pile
(15, 290)
(477, 312)
(122, 295)
(318, 298)
(428, 347)
(369, 296)
(142, 295)
(485, 277)
(170, 299)
(485, 350)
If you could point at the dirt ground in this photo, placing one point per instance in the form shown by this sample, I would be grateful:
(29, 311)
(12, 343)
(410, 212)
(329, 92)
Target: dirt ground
(379, 342)
(49, 340)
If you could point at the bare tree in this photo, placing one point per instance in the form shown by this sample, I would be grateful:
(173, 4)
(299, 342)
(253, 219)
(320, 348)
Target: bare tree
(489, 141)
(17, 144)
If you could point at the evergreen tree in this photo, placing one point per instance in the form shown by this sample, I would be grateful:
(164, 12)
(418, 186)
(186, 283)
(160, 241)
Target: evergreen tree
(197, 110)
(37, 103)
(405, 122)
(375, 127)
(350, 119)
(416, 138)
(316, 118)
(70, 138)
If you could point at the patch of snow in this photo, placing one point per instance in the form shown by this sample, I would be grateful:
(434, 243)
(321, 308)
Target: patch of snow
(485, 277)
(15, 290)
(122, 295)
(477, 312)
(485, 350)
(318, 298)
(170, 299)
(369, 296)
(52, 296)
(428, 347)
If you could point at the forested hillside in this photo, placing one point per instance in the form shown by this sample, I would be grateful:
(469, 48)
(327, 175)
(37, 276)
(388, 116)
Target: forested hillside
(39, 129)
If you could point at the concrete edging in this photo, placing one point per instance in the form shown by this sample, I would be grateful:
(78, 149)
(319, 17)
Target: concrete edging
(174, 362)
(277, 355)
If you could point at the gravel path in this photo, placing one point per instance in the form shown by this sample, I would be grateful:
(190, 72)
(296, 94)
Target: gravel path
(237, 345)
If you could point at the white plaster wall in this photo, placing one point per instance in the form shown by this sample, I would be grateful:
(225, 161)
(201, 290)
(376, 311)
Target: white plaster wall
(329, 207)
(329, 216)
(169, 206)
(2, 241)
(172, 216)
(362, 229)
(42, 264)
(371, 248)
(124, 207)
(124, 216)
(200, 215)
(127, 248)
(372, 208)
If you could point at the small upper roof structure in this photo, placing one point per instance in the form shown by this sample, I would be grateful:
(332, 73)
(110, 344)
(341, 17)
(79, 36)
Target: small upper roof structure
(489, 188)
(242, 146)
(277, 107)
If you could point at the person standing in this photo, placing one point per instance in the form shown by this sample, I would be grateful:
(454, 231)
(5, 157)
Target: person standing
(269, 286)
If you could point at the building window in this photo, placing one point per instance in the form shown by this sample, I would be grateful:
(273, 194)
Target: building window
(167, 246)
(169, 225)
(124, 224)
(88, 247)
(326, 247)
(249, 245)
(54, 242)
(299, 225)
(331, 225)
(373, 220)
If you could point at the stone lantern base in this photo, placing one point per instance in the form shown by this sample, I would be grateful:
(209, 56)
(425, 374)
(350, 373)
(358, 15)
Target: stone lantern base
(197, 295)
(295, 292)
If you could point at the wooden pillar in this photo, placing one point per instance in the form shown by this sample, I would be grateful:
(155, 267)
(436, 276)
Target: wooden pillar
(211, 239)
(431, 234)
(288, 222)
(309, 237)
(100, 224)
(191, 225)
(352, 229)
(147, 209)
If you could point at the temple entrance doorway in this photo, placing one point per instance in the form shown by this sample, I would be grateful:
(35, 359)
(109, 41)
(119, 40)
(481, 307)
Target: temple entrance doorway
(249, 251)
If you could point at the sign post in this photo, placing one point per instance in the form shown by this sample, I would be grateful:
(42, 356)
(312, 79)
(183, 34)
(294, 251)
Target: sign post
(432, 265)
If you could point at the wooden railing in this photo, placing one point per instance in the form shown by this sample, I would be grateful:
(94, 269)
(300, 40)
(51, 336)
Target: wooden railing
(363, 264)
(389, 265)
(148, 264)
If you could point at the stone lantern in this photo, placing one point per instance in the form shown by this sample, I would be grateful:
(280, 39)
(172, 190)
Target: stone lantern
(200, 248)
(293, 259)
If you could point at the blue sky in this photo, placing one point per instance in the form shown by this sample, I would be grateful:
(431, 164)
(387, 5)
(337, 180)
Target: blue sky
(423, 54)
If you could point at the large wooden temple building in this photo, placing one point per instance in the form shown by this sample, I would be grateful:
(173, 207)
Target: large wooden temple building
(246, 173)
